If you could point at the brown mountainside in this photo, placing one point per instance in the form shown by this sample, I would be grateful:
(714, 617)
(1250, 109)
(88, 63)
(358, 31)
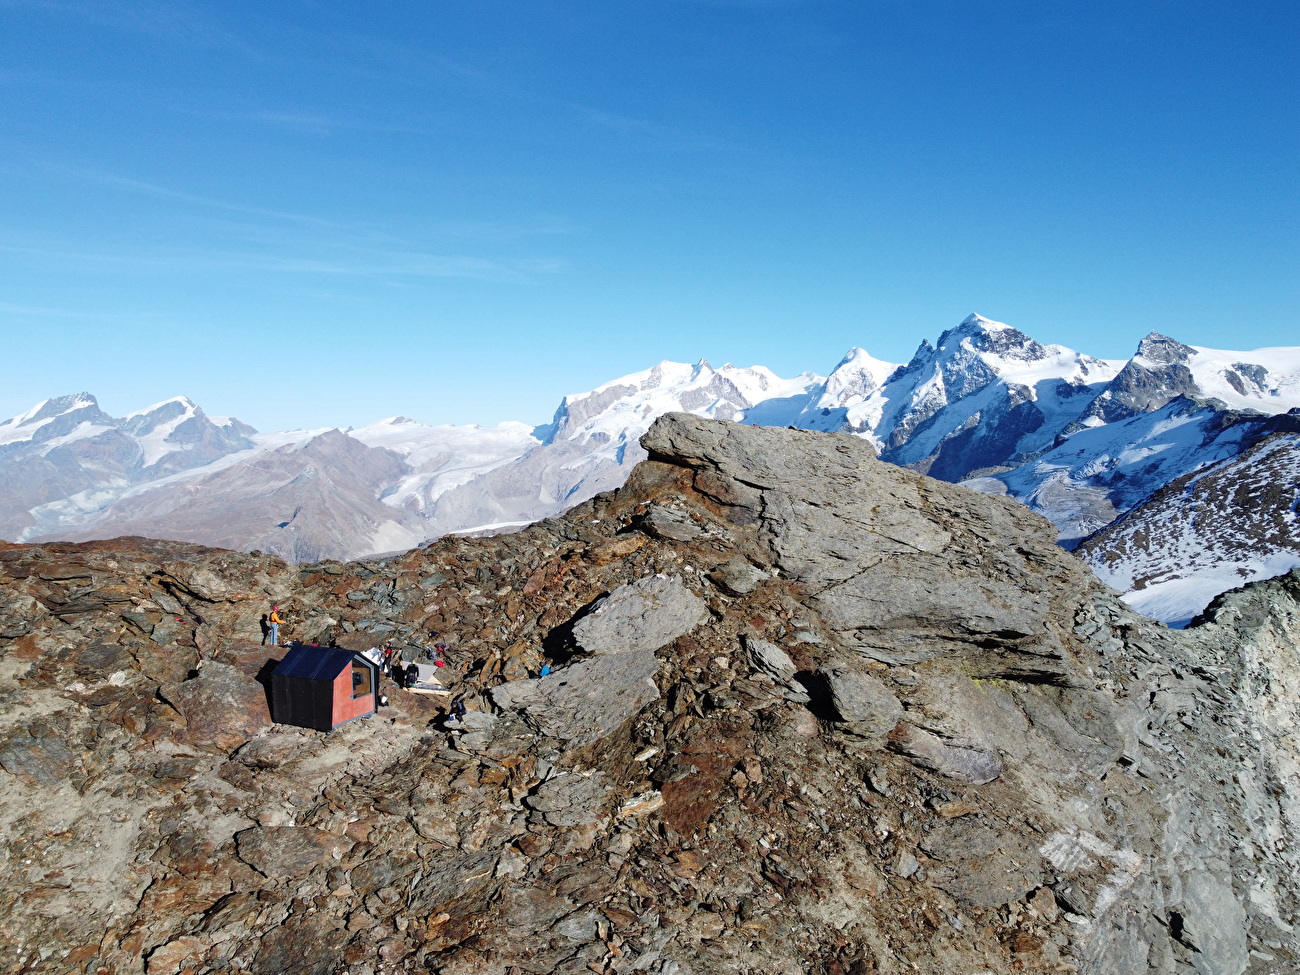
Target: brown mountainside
(809, 712)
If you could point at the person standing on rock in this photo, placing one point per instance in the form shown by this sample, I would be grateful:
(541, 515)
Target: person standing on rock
(274, 622)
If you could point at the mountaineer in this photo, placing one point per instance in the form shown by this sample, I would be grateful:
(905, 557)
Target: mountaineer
(273, 626)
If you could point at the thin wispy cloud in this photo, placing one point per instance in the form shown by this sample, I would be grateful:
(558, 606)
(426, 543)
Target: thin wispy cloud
(320, 124)
(299, 122)
(38, 311)
(412, 66)
(422, 265)
(504, 230)
(359, 54)
(486, 231)
(175, 21)
(358, 264)
(667, 137)
(166, 192)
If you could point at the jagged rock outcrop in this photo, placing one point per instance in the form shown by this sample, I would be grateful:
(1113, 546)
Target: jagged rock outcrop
(1158, 374)
(918, 737)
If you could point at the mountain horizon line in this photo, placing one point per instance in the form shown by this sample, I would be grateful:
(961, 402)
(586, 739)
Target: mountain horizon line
(853, 354)
(1087, 443)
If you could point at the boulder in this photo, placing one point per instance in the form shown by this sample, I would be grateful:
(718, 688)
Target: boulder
(585, 701)
(773, 661)
(737, 577)
(202, 581)
(770, 658)
(669, 524)
(974, 766)
(643, 615)
(896, 564)
(571, 799)
(475, 728)
(866, 707)
(222, 707)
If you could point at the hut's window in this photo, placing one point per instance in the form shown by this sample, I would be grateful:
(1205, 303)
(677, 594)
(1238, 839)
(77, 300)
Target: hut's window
(361, 684)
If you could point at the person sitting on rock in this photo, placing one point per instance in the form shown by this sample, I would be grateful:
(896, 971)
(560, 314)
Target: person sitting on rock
(456, 714)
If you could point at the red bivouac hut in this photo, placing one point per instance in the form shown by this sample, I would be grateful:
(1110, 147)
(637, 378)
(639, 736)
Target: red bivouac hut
(323, 687)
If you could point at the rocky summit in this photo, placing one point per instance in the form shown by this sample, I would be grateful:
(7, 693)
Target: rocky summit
(805, 712)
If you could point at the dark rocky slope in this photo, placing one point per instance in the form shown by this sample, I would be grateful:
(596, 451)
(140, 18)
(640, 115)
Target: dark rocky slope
(810, 713)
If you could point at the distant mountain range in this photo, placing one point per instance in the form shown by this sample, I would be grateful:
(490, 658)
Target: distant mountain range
(1174, 472)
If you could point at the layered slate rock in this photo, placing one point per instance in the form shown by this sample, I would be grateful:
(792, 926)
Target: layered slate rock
(864, 704)
(900, 566)
(588, 699)
(776, 663)
(915, 737)
(287, 851)
(640, 617)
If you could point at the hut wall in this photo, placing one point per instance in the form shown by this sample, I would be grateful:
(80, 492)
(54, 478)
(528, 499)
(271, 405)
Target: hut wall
(346, 707)
(301, 701)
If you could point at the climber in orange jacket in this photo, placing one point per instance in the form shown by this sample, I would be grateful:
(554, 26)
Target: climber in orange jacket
(274, 621)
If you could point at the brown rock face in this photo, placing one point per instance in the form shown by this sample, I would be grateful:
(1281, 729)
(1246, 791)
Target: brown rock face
(221, 706)
(806, 712)
(281, 852)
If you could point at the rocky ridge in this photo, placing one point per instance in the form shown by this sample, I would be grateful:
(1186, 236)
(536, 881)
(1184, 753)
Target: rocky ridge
(809, 712)
(1081, 440)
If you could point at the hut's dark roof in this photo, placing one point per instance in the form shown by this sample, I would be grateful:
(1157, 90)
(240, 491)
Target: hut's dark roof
(317, 663)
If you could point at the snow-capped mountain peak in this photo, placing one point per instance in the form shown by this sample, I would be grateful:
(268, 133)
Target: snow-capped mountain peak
(177, 403)
(1266, 380)
(985, 337)
(621, 410)
(57, 406)
(51, 419)
(857, 376)
(974, 325)
(758, 383)
(180, 425)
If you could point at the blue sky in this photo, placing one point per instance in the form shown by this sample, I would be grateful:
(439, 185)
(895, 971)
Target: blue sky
(310, 213)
